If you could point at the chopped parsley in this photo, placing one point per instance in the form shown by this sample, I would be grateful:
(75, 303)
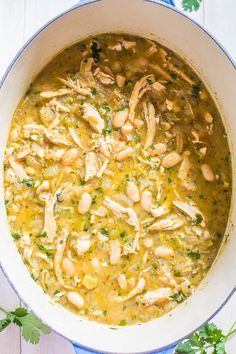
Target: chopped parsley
(198, 219)
(194, 254)
(28, 182)
(123, 234)
(196, 90)
(123, 323)
(16, 236)
(154, 266)
(178, 297)
(104, 232)
(59, 197)
(46, 248)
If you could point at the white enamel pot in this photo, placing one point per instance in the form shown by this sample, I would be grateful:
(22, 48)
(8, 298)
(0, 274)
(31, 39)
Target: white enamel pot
(163, 23)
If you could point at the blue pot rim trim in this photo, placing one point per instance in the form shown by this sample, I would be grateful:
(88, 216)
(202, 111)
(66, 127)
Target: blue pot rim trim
(83, 3)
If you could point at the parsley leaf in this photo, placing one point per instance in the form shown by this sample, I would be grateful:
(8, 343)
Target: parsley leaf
(179, 297)
(209, 336)
(28, 182)
(198, 219)
(194, 254)
(104, 232)
(191, 5)
(31, 326)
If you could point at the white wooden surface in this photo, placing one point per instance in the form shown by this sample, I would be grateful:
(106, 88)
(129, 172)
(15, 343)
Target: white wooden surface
(19, 19)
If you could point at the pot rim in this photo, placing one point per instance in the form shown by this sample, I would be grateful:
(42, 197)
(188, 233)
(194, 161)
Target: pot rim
(83, 3)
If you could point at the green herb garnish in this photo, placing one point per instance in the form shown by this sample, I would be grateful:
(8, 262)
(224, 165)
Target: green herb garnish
(196, 90)
(28, 182)
(104, 232)
(194, 254)
(198, 219)
(209, 337)
(46, 248)
(178, 297)
(31, 326)
(16, 236)
(191, 5)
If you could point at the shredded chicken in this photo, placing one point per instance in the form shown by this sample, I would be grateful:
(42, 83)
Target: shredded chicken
(51, 94)
(102, 168)
(61, 244)
(156, 297)
(157, 212)
(149, 115)
(104, 78)
(185, 172)
(91, 165)
(75, 85)
(18, 169)
(54, 137)
(49, 220)
(141, 86)
(135, 291)
(187, 209)
(115, 251)
(121, 211)
(92, 116)
(166, 224)
(86, 71)
(76, 139)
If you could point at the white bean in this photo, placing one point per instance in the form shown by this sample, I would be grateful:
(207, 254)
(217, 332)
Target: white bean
(164, 252)
(148, 242)
(68, 266)
(84, 203)
(207, 172)
(75, 298)
(83, 245)
(171, 159)
(159, 149)
(208, 117)
(132, 191)
(120, 118)
(138, 123)
(122, 281)
(124, 154)
(120, 80)
(126, 129)
(146, 200)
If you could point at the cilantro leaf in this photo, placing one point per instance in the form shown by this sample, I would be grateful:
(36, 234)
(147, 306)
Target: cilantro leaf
(31, 328)
(31, 325)
(4, 323)
(209, 336)
(191, 5)
(184, 348)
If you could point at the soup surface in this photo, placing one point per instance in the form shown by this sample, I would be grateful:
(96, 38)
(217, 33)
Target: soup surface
(117, 179)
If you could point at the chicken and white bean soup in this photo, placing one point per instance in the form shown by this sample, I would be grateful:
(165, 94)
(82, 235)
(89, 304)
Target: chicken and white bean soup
(117, 179)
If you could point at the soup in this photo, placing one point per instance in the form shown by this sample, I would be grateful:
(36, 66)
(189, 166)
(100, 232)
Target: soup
(117, 179)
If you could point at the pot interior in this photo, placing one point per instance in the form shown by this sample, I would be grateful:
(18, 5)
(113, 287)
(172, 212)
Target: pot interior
(174, 30)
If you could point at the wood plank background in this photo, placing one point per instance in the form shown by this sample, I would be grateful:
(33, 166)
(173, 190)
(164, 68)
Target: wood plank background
(19, 19)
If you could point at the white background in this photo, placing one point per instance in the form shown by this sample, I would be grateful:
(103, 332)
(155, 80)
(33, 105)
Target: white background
(19, 19)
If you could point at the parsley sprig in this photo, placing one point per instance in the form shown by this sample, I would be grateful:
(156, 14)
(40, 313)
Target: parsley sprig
(31, 326)
(191, 5)
(209, 337)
